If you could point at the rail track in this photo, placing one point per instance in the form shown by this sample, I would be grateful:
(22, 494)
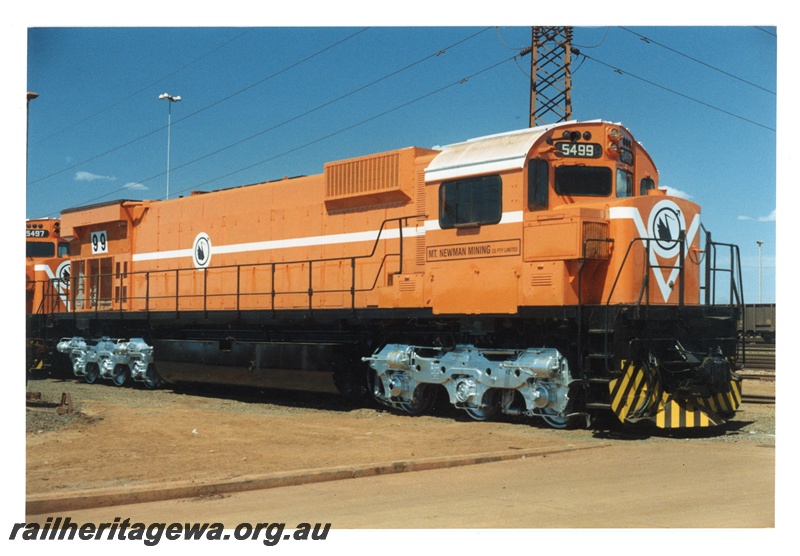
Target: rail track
(759, 356)
(759, 365)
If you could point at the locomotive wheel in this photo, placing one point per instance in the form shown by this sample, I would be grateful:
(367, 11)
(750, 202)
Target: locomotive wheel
(550, 417)
(92, 372)
(422, 400)
(491, 407)
(151, 379)
(121, 375)
(375, 386)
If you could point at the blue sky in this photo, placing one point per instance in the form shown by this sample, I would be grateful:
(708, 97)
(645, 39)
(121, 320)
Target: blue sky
(260, 103)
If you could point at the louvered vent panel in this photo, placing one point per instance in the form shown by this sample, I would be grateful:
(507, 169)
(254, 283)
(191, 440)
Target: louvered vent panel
(360, 176)
(421, 207)
(542, 280)
(408, 285)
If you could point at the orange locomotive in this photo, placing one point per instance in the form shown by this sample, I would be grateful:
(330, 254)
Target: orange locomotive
(538, 272)
(46, 281)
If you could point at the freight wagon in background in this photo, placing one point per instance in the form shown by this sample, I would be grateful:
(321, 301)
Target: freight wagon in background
(539, 272)
(759, 321)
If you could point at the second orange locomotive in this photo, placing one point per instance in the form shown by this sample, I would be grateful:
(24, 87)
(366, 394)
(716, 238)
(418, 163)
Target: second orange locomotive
(539, 272)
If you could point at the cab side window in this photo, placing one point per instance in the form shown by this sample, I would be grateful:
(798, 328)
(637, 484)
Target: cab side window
(538, 184)
(646, 185)
(470, 202)
(624, 183)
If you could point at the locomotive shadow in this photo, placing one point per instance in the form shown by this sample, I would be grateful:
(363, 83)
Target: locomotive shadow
(323, 401)
(315, 400)
(602, 427)
(262, 396)
(608, 430)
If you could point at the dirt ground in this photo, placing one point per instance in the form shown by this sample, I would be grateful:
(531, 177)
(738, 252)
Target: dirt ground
(128, 436)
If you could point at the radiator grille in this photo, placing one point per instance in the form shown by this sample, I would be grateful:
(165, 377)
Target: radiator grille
(596, 249)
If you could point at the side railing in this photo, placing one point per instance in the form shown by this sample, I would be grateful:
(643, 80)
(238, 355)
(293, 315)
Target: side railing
(53, 296)
(715, 265)
(201, 298)
(716, 253)
(733, 271)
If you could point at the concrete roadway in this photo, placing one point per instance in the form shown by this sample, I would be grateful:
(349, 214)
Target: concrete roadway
(668, 484)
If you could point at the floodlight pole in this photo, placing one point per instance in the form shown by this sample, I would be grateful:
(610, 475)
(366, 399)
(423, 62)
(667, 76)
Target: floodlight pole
(171, 99)
(760, 243)
(30, 97)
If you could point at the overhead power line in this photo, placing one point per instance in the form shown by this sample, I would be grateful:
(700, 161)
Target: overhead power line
(364, 121)
(308, 112)
(142, 89)
(674, 92)
(649, 41)
(767, 31)
(193, 114)
(323, 105)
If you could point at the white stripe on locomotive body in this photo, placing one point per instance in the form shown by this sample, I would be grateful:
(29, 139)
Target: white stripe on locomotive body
(514, 217)
(289, 243)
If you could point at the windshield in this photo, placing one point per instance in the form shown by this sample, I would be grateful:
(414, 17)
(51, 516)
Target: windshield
(39, 249)
(583, 181)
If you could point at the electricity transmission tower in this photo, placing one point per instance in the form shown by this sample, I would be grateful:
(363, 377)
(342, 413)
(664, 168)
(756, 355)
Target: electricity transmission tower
(551, 75)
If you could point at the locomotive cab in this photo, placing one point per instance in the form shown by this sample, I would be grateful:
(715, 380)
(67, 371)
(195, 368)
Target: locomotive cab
(47, 266)
(556, 208)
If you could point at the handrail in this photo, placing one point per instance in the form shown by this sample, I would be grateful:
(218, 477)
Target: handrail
(736, 285)
(117, 303)
(735, 282)
(50, 296)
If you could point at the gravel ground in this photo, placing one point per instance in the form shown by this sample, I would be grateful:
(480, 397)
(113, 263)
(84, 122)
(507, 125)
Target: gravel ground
(120, 437)
(755, 420)
(130, 437)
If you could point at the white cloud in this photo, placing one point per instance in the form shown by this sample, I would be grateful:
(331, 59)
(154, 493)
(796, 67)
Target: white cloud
(672, 192)
(88, 176)
(767, 218)
(135, 185)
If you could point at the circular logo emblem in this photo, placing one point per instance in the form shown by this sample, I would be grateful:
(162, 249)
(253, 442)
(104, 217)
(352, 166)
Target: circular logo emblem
(62, 273)
(201, 250)
(665, 225)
